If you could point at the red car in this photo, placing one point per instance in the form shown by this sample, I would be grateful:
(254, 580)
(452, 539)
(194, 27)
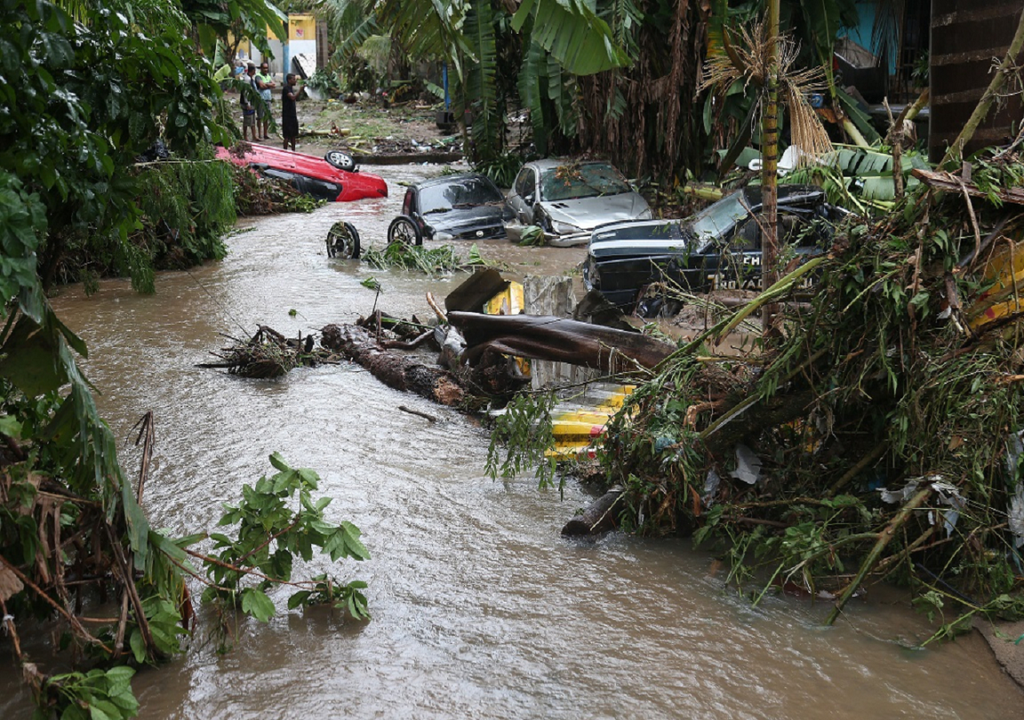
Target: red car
(332, 177)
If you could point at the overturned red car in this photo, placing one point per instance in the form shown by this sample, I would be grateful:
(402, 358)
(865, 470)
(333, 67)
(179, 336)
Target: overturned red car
(333, 177)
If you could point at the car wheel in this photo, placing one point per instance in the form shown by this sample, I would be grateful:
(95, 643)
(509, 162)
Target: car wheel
(343, 241)
(340, 160)
(403, 230)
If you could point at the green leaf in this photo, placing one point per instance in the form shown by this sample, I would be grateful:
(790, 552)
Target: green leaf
(298, 599)
(29, 359)
(257, 604)
(278, 462)
(138, 645)
(103, 709)
(569, 30)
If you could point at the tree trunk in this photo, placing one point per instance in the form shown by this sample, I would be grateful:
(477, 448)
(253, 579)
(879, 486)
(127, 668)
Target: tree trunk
(359, 345)
(598, 518)
(769, 167)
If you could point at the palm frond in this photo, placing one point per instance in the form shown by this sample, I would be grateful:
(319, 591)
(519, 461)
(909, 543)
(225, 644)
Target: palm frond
(532, 75)
(429, 29)
(569, 30)
(488, 120)
(805, 129)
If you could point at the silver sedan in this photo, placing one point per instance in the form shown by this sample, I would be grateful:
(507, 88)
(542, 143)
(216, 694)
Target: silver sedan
(568, 199)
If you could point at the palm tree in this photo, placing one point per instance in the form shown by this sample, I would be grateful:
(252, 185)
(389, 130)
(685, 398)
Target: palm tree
(767, 60)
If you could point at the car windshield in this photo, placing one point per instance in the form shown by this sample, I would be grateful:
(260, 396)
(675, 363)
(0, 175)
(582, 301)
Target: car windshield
(569, 182)
(716, 220)
(462, 193)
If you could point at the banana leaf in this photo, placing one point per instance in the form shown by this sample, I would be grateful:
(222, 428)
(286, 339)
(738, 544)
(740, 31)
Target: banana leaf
(569, 30)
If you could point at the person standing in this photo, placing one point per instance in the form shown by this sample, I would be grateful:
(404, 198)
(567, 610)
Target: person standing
(248, 109)
(289, 116)
(264, 83)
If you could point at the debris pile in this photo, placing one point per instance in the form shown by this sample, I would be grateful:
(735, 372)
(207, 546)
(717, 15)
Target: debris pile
(268, 354)
(878, 435)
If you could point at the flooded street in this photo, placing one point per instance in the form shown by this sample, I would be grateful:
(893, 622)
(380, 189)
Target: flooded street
(480, 609)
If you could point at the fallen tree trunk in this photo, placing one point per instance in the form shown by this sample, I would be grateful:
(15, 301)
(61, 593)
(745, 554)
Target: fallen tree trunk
(597, 518)
(558, 339)
(359, 345)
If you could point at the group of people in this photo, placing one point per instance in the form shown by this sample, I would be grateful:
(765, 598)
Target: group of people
(256, 115)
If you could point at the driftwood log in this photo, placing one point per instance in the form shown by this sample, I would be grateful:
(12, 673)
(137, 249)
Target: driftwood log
(360, 345)
(558, 339)
(601, 516)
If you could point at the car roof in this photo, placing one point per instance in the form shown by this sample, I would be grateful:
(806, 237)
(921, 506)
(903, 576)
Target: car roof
(448, 179)
(547, 163)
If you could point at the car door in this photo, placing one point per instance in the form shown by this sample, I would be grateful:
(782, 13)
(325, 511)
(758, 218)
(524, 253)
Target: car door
(733, 262)
(737, 263)
(523, 195)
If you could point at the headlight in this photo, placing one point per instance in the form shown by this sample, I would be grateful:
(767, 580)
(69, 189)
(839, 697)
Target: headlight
(443, 236)
(646, 215)
(561, 228)
(591, 280)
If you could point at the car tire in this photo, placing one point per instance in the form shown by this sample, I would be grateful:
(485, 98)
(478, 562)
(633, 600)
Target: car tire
(403, 230)
(340, 160)
(343, 241)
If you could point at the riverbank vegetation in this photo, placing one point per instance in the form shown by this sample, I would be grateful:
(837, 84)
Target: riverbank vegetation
(78, 557)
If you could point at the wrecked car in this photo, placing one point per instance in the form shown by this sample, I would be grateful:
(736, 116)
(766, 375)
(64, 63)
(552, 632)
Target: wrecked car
(718, 248)
(569, 199)
(453, 207)
(334, 177)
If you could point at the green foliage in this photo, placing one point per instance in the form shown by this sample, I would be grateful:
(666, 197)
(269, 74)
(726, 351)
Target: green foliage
(479, 83)
(569, 30)
(185, 209)
(992, 177)
(270, 533)
(523, 433)
(22, 225)
(532, 235)
(431, 261)
(324, 82)
(83, 97)
(95, 695)
(118, 90)
(859, 178)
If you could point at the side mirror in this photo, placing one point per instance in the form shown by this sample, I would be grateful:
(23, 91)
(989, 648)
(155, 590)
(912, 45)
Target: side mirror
(528, 199)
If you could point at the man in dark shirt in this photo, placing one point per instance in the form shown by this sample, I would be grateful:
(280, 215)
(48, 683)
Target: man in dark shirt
(289, 116)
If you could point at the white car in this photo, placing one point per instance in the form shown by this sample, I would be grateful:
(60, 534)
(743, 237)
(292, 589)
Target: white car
(568, 199)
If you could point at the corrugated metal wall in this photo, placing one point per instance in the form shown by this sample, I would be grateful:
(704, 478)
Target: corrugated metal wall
(968, 38)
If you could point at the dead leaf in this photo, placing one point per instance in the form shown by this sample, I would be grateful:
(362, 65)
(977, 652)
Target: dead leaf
(10, 584)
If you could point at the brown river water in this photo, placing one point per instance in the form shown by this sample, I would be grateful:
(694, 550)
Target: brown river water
(480, 608)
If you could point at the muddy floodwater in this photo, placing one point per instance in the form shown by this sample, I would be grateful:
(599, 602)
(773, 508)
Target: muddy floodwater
(480, 609)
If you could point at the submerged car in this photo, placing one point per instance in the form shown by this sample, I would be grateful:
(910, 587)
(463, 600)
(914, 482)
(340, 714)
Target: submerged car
(453, 207)
(569, 199)
(333, 177)
(719, 247)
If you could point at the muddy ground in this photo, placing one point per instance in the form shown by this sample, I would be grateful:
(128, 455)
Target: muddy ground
(373, 133)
